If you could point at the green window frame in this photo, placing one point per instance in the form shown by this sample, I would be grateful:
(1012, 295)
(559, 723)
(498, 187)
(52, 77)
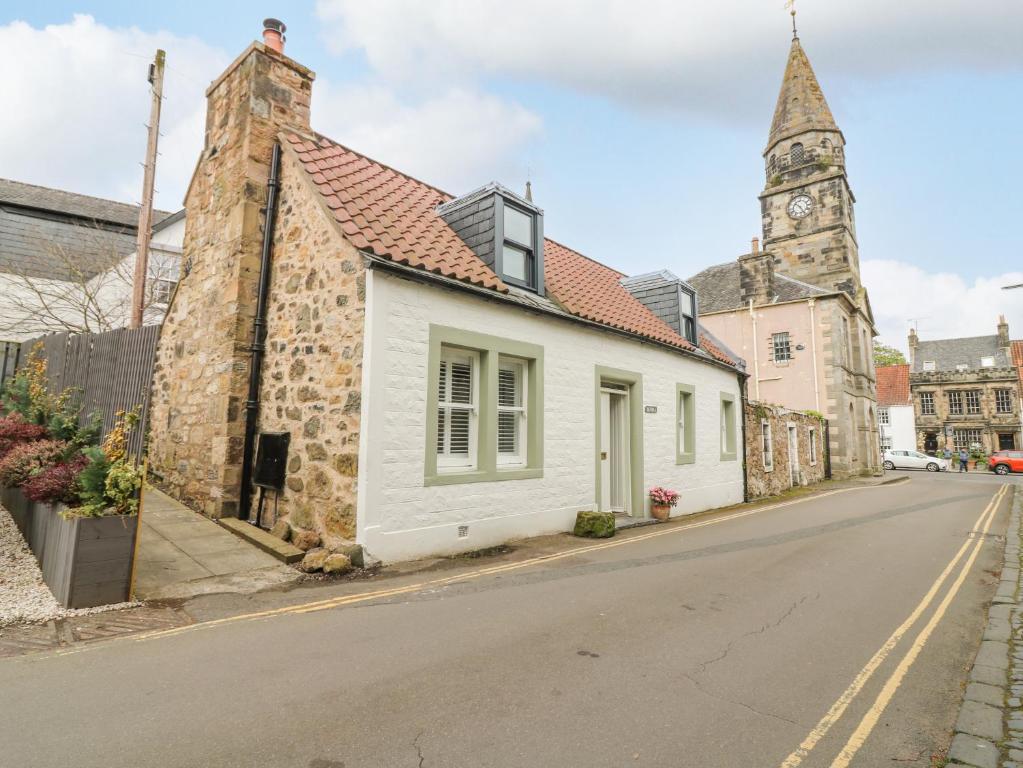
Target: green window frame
(491, 352)
(728, 450)
(685, 424)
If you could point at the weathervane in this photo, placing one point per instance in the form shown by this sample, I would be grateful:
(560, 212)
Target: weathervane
(791, 5)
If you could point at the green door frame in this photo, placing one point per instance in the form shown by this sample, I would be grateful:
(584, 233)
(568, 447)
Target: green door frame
(634, 381)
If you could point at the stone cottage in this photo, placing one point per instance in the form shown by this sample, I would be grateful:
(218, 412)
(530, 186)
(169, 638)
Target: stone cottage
(442, 376)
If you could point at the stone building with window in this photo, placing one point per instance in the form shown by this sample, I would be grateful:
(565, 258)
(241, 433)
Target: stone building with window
(434, 374)
(965, 392)
(796, 310)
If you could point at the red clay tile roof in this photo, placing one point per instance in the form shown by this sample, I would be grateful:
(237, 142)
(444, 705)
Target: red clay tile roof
(593, 291)
(893, 385)
(390, 214)
(394, 216)
(1017, 354)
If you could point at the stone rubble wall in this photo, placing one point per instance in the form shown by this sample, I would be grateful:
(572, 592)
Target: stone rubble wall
(763, 482)
(312, 372)
(200, 382)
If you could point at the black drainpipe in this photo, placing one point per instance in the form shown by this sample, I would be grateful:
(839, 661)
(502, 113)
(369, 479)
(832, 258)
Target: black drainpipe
(258, 347)
(745, 458)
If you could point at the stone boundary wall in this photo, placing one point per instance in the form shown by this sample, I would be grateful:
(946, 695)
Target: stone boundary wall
(764, 481)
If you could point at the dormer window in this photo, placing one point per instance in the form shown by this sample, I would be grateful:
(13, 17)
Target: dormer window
(687, 313)
(504, 230)
(518, 255)
(987, 362)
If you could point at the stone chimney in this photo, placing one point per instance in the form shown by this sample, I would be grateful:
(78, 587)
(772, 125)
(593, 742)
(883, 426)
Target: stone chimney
(199, 390)
(756, 276)
(913, 343)
(1003, 335)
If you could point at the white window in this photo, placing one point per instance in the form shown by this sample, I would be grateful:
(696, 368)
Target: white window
(511, 412)
(767, 444)
(987, 362)
(928, 365)
(457, 409)
(926, 403)
(973, 401)
(782, 349)
(813, 445)
(1003, 400)
(883, 417)
(886, 443)
(962, 367)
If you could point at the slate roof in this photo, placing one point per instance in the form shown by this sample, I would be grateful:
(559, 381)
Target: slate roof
(948, 353)
(717, 288)
(56, 235)
(394, 216)
(801, 104)
(893, 385)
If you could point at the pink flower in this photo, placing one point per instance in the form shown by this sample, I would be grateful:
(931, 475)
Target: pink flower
(663, 497)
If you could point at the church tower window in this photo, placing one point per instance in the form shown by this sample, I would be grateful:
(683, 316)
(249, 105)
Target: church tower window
(796, 153)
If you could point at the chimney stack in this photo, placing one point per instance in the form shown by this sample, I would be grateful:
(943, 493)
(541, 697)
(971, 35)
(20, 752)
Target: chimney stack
(913, 342)
(1003, 333)
(273, 34)
(755, 245)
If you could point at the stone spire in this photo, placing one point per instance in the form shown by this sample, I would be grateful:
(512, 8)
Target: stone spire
(801, 104)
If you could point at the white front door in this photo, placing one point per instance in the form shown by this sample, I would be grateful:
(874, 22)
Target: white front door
(615, 483)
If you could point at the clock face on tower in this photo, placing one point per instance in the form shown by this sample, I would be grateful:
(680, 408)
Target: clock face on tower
(800, 206)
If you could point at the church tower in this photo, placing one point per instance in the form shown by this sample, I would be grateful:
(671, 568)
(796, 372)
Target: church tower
(807, 205)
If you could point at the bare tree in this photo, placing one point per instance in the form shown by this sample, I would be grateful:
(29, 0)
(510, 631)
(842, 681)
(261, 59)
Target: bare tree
(81, 281)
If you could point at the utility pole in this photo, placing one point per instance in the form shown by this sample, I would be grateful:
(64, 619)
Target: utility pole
(138, 296)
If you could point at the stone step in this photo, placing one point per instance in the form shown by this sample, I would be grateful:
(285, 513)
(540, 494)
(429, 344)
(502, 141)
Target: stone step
(256, 536)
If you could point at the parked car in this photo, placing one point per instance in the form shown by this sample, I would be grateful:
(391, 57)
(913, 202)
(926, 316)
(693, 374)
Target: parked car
(1004, 462)
(914, 460)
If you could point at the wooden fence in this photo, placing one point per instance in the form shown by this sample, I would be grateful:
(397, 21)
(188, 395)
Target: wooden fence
(111, 372)
(8, 360)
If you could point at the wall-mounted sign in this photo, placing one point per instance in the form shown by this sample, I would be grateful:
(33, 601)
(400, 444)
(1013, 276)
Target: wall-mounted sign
(649, 409)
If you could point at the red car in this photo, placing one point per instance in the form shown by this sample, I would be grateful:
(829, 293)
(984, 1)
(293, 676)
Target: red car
(1004, 462)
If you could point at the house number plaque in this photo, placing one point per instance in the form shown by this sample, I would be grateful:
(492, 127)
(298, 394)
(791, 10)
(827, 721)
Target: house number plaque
(649, 409)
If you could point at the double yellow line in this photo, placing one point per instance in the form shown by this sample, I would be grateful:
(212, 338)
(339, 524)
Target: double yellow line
(870, 719)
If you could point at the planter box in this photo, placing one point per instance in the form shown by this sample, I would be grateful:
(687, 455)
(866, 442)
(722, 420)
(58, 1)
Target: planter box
(86, 561)
(19, 507)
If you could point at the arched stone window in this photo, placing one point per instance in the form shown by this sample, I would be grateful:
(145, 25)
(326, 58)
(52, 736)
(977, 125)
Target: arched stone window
(796, 153)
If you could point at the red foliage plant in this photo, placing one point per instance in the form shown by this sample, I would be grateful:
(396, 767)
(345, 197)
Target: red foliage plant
(28, 459)
(56, 483)
(14, 430)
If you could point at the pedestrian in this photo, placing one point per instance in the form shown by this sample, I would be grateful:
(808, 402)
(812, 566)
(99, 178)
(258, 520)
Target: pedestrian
(947, 454)
(964, 457)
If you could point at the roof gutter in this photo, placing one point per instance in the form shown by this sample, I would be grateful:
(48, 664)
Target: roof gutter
(417, 274)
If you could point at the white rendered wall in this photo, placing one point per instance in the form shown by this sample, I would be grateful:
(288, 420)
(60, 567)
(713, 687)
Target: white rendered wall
(400, 518)
(901, 427)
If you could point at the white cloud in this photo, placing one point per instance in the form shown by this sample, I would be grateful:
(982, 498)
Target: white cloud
(76, 102)
(457, 140)
(721, 58)
(943, 304)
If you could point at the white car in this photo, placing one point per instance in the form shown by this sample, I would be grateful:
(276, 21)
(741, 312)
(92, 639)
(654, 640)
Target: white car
(914, 460)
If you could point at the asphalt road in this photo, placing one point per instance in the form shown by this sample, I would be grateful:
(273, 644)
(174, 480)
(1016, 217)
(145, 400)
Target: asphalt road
(722, 643)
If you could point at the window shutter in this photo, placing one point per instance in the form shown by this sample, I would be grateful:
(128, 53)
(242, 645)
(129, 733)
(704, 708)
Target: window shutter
(509, 396)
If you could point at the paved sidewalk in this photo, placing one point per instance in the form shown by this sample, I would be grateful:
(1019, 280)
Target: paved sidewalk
(989, 732)
(183, 554)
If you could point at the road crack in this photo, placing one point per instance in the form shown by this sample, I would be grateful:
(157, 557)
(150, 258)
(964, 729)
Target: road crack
(736, 702)
(418, 749)
(761, 630)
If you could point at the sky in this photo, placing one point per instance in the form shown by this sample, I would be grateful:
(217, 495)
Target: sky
(640, 123)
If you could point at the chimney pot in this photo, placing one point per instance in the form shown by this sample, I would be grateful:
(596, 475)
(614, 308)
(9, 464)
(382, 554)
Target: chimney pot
(755, 245)
(273, 34)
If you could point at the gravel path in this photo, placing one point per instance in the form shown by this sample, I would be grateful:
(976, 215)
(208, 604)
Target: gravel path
(24, 598)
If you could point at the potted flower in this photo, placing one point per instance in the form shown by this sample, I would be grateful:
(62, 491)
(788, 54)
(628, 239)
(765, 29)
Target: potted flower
(661, 502)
